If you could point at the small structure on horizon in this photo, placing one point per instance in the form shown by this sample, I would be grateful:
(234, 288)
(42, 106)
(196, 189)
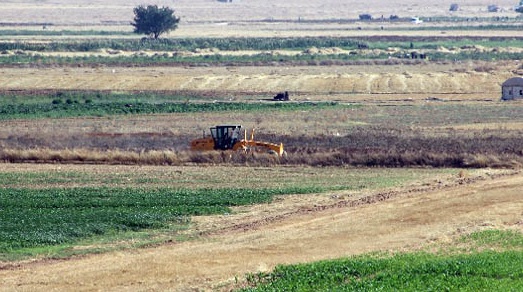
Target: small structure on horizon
(415, 20)
(512, 89)
(493, 8)
(365, 16)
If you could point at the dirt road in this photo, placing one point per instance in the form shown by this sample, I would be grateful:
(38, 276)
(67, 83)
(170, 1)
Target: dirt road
(286, 232)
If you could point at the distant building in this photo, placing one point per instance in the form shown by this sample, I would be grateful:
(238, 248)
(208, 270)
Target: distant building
(493, 8)
(228, 1)
(512, 89)
(365, 16)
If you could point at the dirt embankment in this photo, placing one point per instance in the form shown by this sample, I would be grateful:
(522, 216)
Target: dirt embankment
(265, 236)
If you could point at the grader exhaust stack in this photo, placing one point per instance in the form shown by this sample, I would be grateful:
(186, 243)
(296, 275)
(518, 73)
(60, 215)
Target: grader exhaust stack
(227, 137)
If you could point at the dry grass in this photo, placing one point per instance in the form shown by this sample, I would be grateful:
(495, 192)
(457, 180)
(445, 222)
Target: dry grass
(408, 133)
(88, 156)
(313, 157)
(349, 83)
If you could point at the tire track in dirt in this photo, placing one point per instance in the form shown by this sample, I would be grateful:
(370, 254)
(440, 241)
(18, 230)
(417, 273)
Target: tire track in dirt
(364, 200)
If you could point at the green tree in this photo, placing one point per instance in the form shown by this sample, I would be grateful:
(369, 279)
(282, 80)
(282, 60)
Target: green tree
(153, 21)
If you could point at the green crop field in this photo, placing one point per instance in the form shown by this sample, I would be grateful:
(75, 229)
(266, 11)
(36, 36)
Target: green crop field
(85, 104)
(33, 218)
(481, 270)
(51, 211)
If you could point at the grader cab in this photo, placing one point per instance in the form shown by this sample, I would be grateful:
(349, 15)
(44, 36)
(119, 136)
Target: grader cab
(227, 137)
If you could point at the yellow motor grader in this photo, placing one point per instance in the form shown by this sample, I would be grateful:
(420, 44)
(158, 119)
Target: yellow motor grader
(227, 137)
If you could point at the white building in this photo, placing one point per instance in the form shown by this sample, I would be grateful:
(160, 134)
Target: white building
(512, 89)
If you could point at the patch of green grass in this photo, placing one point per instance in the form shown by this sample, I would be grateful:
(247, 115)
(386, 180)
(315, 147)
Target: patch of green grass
(33, 221)
(263, 43)
(323, 179)
(32, 218)
(420, 271)
(109, 241)
(9, 179)
(74, 104)
(435, 42)
(189, 44)
(494, 239)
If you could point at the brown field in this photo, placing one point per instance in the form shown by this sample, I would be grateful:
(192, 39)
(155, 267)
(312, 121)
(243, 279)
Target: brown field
(413, 102)
(344, 83)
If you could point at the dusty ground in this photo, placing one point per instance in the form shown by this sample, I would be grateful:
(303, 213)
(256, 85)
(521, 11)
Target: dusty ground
(288, 231)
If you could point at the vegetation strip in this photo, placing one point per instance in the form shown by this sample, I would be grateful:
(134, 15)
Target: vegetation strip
(78, 104)
(483, 260)
(178, 52)
(32, 218)
(259, 43)
(488, 270)
(60, 213)
(261, 59)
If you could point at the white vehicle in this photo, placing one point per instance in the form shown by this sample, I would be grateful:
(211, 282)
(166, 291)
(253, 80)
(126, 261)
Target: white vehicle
(415, 20)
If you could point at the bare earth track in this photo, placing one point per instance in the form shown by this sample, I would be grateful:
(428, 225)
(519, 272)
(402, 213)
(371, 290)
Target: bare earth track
(286, 232)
